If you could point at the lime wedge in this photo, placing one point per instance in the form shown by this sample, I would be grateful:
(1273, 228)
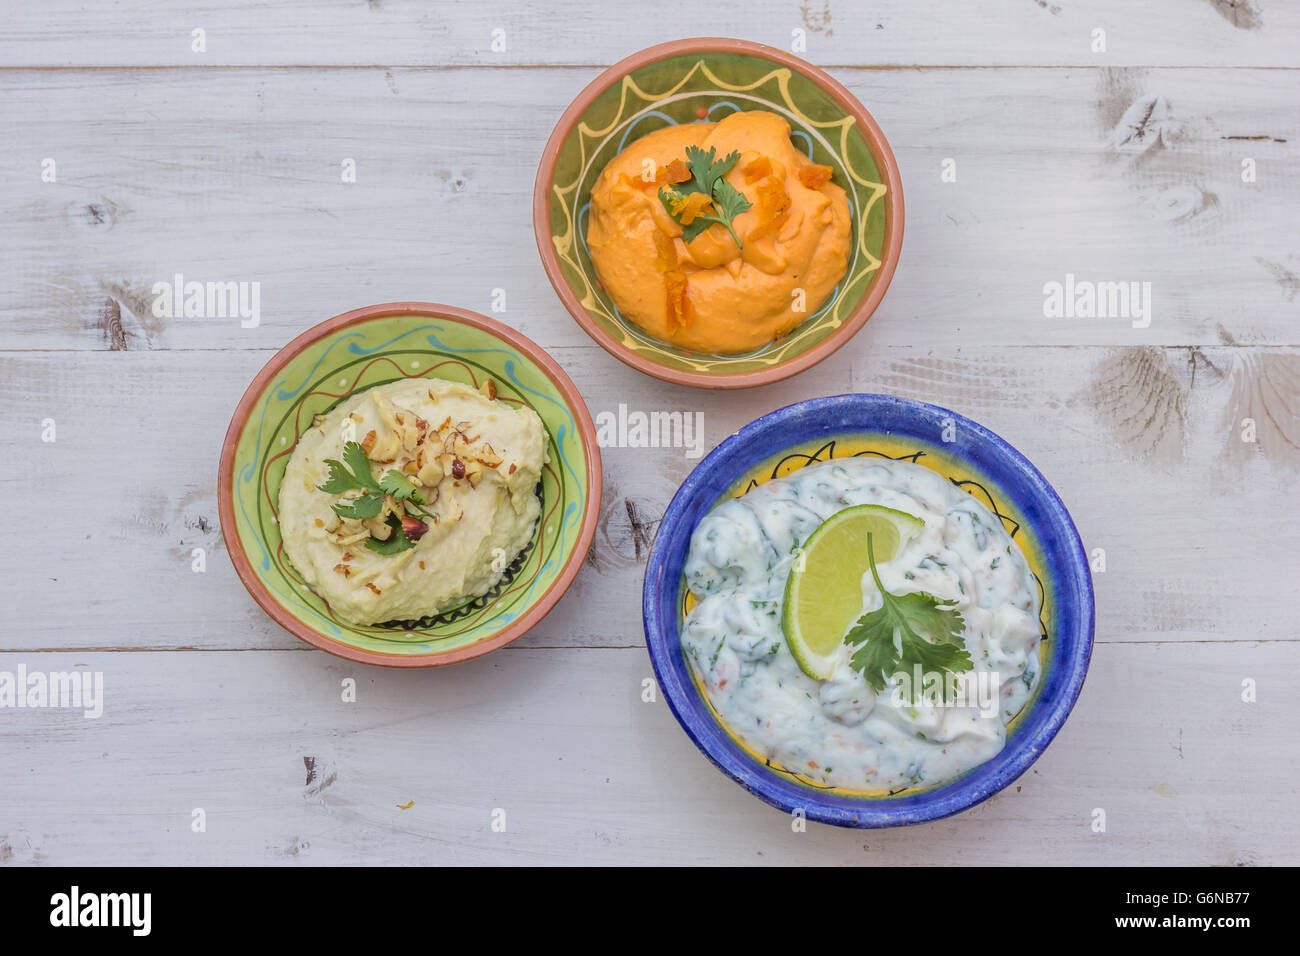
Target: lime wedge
(823, 595)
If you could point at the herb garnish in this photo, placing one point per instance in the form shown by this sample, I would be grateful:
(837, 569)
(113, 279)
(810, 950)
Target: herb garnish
(910, 618)
(707, 177)
(353, 474)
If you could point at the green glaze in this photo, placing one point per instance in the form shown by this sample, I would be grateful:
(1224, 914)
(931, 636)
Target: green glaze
(386, 349)
(670, 92)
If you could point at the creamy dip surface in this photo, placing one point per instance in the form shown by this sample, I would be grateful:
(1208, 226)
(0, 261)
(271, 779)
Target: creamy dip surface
(710, 294)
(476, 462)
(839, 731)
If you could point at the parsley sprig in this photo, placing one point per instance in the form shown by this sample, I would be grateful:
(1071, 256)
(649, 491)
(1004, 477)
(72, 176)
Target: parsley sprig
(354, 474)
(906, 630)
(708, 177)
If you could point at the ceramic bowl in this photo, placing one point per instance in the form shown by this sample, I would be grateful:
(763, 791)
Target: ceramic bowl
(683, 82)
(977, 460)
(386, 343)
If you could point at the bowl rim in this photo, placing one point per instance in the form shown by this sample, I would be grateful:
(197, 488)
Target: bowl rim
(939, 802)
(516, 628)
(871, 131)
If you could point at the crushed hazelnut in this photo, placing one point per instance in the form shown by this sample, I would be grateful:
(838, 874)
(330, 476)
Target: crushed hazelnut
(413, 528)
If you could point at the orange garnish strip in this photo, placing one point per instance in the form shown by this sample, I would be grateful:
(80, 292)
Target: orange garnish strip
(772, 202)
(686, 208)
(814, 176)
(679, 306)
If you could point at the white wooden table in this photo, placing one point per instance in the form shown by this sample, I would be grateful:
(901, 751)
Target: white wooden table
(224, 165)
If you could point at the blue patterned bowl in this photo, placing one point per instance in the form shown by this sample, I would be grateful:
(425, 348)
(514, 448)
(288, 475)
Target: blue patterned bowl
(969, 455)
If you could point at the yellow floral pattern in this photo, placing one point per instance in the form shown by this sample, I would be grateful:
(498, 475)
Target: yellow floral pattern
(836, 140)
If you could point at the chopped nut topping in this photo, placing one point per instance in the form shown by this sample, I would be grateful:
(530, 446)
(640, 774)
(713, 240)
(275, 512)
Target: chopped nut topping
(413, 528)
(387, 413)
(373, 588)
(430, 474)
(368, 442)
(343, 569)
(488, 390)
(385, 449)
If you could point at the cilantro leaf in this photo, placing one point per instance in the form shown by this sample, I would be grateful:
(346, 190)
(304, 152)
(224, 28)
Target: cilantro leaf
(367, 506)
(876, 656)
(356, 475)
(707, 177)
(906, 630)
(397, 541)
(400, 487)
(928, 615)
(705, 171)
(359, 462)
(340, 479)
(731, 201)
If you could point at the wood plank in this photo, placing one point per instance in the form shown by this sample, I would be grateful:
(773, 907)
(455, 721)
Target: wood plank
(588, 32)
(235, 176)
(588, 773)
(1144, 446)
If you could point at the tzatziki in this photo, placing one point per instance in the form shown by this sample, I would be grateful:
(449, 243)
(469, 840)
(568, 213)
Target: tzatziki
(838, 731)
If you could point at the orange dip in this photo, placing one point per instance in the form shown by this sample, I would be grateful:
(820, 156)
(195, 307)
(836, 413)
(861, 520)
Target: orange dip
(708, 295)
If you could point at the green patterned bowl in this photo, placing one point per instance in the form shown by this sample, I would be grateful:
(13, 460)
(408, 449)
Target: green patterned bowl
(386, 343)
(682, 82)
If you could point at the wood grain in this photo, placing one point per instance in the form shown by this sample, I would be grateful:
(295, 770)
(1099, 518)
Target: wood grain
(1175, 446)
(288, 774)
(235, 175)
(1219, 33)
(1180, 565)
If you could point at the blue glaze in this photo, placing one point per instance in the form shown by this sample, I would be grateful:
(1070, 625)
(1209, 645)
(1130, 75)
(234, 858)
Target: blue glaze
(1069, 644)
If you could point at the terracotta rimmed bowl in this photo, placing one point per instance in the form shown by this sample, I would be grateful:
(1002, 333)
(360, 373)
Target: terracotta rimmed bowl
(682, 82)
(970, 456)
(385, 343)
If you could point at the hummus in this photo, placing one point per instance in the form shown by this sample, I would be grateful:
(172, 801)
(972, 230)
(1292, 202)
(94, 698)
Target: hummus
(718, 293)
(456, 471)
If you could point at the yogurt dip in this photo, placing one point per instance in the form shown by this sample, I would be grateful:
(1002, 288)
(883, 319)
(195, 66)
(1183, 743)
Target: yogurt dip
(839, 732)
(474, 461)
